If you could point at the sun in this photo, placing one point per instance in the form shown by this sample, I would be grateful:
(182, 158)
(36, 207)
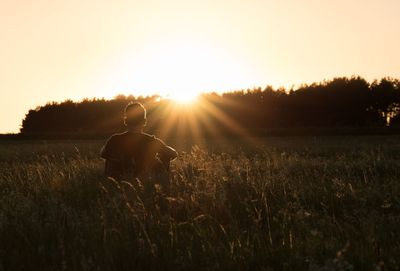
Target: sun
(184, 97)
(179, 69)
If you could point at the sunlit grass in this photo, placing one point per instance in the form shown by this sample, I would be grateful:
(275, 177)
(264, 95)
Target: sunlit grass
(299, 203)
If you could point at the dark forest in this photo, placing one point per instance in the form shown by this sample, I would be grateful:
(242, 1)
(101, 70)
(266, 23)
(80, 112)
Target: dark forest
(334, 104)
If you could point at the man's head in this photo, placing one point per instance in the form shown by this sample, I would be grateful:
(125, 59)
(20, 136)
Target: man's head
(135, 115)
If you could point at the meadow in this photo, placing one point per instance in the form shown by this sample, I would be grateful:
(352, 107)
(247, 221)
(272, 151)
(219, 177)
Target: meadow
(284, 203)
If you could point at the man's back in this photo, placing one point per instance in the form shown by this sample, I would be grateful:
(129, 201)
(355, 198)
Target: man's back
(133, 153)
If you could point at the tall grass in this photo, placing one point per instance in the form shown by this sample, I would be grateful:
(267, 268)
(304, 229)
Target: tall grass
(293, 203)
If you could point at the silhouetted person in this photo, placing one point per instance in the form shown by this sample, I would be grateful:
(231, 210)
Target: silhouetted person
(135, 154)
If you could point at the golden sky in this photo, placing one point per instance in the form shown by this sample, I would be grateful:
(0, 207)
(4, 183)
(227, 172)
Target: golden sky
(52, 50)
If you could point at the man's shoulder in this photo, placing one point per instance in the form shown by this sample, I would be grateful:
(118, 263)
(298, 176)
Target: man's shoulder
(112, 146)
(149, 136)
(117, 136)
(152, 137)
(132, 138)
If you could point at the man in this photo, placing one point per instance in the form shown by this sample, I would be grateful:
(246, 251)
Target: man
(135, 154)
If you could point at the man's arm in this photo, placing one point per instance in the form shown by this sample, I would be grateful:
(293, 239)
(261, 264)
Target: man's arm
(106, 150)
(165, 153)
(113, 167)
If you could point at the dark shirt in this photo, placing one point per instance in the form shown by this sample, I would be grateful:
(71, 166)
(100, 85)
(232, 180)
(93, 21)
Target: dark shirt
(132, 153)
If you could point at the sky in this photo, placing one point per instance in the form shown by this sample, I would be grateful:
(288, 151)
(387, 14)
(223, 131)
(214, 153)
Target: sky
(53, 50)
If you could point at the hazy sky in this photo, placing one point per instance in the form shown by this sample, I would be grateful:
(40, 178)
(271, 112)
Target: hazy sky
(52, 50)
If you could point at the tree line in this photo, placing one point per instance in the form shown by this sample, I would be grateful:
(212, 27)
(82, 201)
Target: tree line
(337, 103)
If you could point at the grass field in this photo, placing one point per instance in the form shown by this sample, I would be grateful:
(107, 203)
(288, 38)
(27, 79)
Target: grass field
(294, 203)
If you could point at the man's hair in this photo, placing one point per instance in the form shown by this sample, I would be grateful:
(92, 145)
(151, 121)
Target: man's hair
(135, 114)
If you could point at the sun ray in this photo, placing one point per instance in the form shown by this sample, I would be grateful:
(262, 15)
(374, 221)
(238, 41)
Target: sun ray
(211, 129)
(169, 120)
(209, 125)
(228, 122)
(191, 124)
(223, 118)
(193, 121)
